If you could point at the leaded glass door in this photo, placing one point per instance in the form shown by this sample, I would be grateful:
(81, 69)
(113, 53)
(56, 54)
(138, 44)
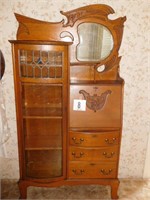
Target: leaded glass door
(42, 84)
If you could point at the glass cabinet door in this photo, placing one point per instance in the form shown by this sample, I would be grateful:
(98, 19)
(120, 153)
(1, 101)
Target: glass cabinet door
(42, 117)
(42, 111)
(41, 64)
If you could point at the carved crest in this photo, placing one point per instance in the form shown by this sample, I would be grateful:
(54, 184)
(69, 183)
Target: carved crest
(68, 31)
(96, 11)
(95, 102)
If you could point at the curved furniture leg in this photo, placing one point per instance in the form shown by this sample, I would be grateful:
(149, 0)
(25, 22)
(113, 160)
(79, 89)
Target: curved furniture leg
(23, 189)
(114, 189)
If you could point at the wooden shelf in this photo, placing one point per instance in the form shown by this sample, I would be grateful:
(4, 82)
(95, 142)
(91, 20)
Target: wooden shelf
(43, 111)
(42, 142)
(84, 82)
(56, 81)
(40, 42)
(42, 117)
(84, 63)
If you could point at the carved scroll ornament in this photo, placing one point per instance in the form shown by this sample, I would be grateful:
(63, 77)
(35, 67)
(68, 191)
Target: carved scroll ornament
(67, 31)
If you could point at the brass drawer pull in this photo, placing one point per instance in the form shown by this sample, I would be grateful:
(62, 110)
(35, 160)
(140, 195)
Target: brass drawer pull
(112, 141)
(104, 172)
(77, 156)
(108, 155)
(78, 172)
(79, 141)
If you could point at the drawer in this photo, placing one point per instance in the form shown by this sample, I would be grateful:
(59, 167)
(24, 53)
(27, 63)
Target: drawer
(92, 169)
(94, 139)
(93, 154)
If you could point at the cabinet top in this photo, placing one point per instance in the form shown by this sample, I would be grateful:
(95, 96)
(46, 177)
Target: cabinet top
(40, 42)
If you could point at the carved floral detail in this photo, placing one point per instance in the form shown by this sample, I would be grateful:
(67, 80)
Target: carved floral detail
(95, 102)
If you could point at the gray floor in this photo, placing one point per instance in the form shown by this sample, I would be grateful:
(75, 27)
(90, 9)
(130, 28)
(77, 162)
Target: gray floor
(128, 190)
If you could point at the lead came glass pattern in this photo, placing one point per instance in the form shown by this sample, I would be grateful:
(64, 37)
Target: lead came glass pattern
(40, 64)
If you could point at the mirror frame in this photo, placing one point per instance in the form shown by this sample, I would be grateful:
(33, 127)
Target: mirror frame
(67, 31)
(97, 13)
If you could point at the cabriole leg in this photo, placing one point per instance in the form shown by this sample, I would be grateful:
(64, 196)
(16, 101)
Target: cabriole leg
(114, 189)
(23, 189)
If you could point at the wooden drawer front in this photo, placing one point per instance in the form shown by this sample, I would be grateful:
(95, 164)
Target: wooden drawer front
(103, 105)
(97, 139)
(94, 154)
(92, 170)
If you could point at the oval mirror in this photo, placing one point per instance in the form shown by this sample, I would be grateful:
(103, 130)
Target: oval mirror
(95, 42)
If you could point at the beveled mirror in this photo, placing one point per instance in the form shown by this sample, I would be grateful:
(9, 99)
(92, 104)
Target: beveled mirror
(95, 42)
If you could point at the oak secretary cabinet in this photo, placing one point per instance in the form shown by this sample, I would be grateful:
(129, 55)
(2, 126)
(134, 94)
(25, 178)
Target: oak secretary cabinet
(69, 98)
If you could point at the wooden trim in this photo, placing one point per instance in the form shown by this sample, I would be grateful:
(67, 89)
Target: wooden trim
(51, 81)
(40, 42)
(17, 86)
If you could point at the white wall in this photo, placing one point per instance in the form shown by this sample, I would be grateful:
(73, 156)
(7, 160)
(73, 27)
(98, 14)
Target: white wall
(147, 162)
(134, 69)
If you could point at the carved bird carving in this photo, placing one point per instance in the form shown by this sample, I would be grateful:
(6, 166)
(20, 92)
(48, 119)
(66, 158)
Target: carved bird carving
(95, 102)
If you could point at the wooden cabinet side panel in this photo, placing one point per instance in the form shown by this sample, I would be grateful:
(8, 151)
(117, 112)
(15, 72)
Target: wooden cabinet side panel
(17, 86)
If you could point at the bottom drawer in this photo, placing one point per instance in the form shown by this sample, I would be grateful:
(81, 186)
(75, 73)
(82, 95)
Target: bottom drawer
(92, 170)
